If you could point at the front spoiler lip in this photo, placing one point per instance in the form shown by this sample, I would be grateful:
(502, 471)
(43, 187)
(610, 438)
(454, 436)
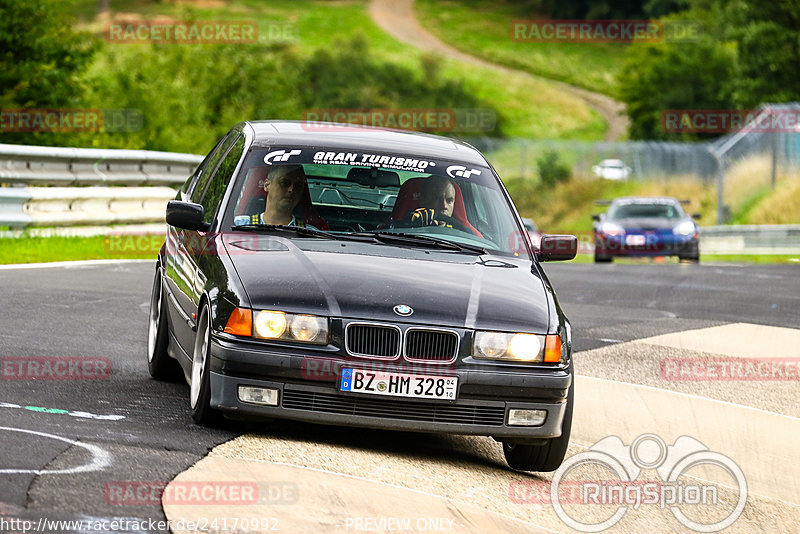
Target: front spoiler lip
(541, 390)
(659, 247)
(224, 397)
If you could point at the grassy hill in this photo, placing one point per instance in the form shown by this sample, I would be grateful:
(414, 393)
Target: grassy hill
(175, 84)
(483, 29)
(523, 107)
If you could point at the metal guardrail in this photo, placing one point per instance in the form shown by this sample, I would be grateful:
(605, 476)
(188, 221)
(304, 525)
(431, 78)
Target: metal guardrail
(74, 206)
(36, 166)
(99, 204)
(39, 165)
(750, 239)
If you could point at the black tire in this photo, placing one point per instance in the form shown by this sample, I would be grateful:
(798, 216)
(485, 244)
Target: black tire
(200, 385)
(602, 259)
(159, 363)
(546, 457)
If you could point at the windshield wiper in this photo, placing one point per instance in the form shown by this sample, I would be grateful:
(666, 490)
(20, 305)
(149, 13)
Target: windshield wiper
(413, 239)
(295, 229)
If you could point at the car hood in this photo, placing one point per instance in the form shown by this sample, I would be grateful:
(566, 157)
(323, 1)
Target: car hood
(648, 223)
(366, 281)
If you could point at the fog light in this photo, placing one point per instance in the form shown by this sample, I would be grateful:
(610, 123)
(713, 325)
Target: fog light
(263, 396)
(526, 417)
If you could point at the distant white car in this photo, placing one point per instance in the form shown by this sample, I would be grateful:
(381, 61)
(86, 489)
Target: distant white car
(612, 169)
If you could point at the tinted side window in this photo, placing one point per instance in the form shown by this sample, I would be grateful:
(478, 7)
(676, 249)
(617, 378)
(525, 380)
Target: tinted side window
(221, 179)
(208, 167)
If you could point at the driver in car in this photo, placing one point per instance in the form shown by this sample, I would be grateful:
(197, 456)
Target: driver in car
(437, 197)
(284, 186)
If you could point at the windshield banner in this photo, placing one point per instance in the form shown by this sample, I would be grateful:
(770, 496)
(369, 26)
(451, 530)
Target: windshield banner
(400, 162)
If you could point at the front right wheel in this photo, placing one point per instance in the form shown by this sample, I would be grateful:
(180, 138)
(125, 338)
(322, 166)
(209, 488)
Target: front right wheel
(159, 362)
(200, 386)
(547, 456)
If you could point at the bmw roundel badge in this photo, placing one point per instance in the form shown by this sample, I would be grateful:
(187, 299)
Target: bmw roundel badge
(402, 309)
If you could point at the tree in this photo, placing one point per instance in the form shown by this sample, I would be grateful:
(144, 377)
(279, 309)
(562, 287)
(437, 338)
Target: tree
(42, 61)
(768, 49)
(669, 76)
(552, 171)
(41, 57)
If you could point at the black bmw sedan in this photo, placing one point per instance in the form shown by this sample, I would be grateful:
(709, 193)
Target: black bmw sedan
(365, 277)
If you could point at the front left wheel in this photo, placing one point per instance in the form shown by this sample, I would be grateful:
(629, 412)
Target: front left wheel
(547, 456)
(200, 386)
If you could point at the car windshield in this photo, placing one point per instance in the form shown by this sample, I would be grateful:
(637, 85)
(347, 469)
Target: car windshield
(659, 210)
(347, 193)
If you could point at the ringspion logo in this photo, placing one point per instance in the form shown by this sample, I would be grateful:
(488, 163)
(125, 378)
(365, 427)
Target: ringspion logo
(676, 488)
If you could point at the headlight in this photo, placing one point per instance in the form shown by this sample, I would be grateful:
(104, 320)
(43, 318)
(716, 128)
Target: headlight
(609, 228)
(306, 327)
(533, 348)
(684, 228)
(269, 324)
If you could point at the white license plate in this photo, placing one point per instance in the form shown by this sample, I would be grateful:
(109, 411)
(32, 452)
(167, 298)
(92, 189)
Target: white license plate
(398, 384)
(635, 240)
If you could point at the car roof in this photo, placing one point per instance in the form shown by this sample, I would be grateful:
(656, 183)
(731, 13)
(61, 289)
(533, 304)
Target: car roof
(612, 162)
(356, 137)
(645, 200)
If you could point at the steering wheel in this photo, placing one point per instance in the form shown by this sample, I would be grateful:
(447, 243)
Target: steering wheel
(452, 221)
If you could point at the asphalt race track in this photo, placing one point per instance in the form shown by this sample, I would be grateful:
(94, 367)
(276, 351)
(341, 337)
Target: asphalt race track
(66, 445)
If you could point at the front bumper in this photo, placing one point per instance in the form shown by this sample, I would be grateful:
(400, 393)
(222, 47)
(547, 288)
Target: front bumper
(307, 386)
(648, 244)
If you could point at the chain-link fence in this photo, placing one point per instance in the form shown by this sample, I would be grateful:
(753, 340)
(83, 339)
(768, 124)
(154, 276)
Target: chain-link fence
(768, 146)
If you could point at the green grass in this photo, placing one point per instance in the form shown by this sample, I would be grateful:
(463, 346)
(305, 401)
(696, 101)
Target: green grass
(752, 258)
(484, 29)
(704, 258)
(30, 249)
(527, 108)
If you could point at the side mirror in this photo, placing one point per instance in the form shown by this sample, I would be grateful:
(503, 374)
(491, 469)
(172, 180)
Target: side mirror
(186, 215)
(596, 217)
(696, 216)
(557, 248)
